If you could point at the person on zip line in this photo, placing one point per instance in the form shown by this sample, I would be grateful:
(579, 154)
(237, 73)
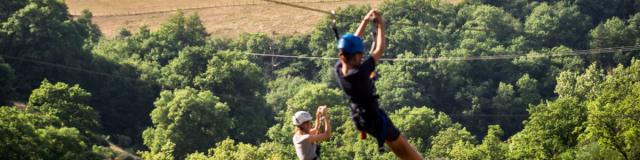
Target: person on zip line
(354, 73)
(306, 138)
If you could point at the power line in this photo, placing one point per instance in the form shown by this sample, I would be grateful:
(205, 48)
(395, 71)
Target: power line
(476, 58)
(70, 68)
(632, 116)
(470, 58)
(583, 52)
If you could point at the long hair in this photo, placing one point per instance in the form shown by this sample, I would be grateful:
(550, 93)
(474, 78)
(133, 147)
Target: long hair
(299, 128)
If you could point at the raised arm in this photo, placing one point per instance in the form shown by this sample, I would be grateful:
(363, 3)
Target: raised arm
(327, 128)
(380, 41)
(327, 123)
(364, 23)
(316, 127)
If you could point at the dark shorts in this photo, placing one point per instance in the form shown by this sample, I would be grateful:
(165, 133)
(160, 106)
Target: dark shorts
(376, 123)
(391, 132)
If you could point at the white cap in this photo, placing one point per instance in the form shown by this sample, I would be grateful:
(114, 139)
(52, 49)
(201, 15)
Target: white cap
(300, 117)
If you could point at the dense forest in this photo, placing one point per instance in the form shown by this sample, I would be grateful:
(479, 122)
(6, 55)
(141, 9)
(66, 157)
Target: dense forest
(180, 93)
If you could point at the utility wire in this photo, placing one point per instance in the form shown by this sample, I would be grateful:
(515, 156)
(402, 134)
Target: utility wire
(637, 117)
(471, 58)
(69, 67)
(632, 116)
(477, 58)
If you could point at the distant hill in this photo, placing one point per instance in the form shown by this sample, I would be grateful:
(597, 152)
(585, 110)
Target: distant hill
(226, 18)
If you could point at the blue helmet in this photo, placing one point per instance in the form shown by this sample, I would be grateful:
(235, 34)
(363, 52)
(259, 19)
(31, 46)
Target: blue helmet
(351, 44)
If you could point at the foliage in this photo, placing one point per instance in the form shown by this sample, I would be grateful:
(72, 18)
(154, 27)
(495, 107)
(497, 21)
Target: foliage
(215, 101)
(239, 83)
(443, 143)
(6, 82)
(421, 123)
(28, 135)
(69, 103)
(556, 24)
(551, 129)
(186, 120)
(41, 30)
(612, 119)
(615, 32)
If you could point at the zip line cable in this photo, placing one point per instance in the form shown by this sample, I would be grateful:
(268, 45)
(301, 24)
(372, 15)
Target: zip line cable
(197, 8)
(355, 19)
(298, 6)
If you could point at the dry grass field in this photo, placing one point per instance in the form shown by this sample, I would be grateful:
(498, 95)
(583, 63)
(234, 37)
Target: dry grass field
(224, 18)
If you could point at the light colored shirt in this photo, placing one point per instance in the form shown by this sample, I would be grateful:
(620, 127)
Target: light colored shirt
(304, 149)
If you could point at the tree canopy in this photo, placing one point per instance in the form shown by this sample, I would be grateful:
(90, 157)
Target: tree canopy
(178, 92)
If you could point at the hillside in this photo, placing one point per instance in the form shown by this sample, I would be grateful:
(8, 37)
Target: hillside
(225, 18)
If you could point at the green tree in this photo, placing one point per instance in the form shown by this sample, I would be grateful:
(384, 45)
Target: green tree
(503, 100)
(562, 23)
(601, 10)
(488, 25)
(88, 29)
(583, 86)
(182, 70)
(492, 146)
(282, 89)
(311, 96)
(397, 87)
(254, 43)
(615, 33)
(29, 135)
(421, 122)
(41, 30)
(552, 128)
(465, 150)
(180, 32)
(443, 143)
(227, 149)
(163, 153)
(285, 67)
(240, 83)
(519, 8)
(8, 7)
(190, 119)
(6, 82)
(274, 151)
(69, 103)
(613, 114)
(432, 16)
(527, 89)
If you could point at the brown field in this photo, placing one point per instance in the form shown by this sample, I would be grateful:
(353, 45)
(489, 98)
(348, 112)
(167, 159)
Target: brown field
(225, 18)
